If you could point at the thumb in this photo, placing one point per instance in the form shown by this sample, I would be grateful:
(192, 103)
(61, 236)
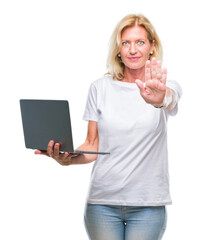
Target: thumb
(140, 84)
(40, 152)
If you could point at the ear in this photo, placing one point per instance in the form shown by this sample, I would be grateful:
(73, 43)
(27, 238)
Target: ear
(152, 46)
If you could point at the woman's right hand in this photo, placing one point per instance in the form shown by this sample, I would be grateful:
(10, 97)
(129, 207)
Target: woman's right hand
(53, 151)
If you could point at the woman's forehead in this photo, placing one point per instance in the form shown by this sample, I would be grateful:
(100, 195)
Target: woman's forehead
(134, 31)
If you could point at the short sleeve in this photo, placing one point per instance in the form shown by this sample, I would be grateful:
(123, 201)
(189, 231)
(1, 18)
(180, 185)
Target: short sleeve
(91, 112)
(178, 93)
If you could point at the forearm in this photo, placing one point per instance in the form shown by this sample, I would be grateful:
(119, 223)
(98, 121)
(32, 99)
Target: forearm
(83, 159)
(173, 98)
(86, 158)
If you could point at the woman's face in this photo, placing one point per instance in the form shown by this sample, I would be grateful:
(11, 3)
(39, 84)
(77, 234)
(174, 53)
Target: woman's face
(135, 47)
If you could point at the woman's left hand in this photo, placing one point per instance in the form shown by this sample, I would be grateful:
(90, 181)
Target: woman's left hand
(153, 90)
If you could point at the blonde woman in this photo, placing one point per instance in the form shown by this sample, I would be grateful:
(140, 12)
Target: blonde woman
(127, 112)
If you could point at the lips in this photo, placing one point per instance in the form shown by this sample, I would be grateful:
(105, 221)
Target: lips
(134, 58)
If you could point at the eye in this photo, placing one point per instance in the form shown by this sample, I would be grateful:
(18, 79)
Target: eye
(140, 42)
(126, 43)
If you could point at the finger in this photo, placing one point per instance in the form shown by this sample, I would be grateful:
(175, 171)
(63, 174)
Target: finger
(143, 87)
(50, 147)
(153, 68)
(38, 151)
(140, 84)
(72, 155)
(158, 71)
(41, 152)
(164, 76)
(147, 71)
(56, 149)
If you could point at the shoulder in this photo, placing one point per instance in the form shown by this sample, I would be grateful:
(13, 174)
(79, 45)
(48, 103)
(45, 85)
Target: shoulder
(101, 82)
(98, 87)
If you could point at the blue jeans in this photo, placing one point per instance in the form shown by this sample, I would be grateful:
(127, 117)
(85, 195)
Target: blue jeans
(107, 222)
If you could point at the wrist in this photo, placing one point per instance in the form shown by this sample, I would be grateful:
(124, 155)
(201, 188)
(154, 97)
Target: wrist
(161, 105)
(166, 102)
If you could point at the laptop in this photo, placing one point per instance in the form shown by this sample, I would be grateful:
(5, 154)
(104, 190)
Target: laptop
(45, 120)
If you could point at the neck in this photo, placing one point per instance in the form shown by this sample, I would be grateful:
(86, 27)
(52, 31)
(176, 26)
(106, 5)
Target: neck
(130, 75)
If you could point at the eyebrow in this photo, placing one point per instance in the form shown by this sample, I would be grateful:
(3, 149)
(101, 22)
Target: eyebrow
(139, 39)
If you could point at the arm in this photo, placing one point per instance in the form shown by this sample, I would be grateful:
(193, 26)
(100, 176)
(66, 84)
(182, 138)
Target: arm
(91, 144)
(65, 159)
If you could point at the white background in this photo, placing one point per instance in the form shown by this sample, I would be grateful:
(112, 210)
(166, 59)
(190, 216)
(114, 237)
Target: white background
(54, 50)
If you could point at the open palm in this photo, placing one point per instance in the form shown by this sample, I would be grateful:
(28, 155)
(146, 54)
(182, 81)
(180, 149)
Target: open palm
(153, 90)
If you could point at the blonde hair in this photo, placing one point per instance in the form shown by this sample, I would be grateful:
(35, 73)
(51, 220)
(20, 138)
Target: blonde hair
(115, 66)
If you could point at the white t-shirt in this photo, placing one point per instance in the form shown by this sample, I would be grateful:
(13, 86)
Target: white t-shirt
(135, 133)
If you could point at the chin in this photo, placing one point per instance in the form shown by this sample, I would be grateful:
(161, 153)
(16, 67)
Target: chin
(135, 66)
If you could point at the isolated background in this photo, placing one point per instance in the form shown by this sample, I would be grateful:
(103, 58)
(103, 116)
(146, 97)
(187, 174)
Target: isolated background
(54, 50)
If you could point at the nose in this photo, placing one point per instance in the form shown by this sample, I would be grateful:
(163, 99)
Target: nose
(133, 48)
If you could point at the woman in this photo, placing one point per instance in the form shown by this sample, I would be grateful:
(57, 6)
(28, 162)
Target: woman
(127, 111)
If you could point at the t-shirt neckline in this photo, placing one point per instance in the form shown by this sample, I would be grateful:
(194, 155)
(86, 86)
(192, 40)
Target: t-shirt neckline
(124, 84)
